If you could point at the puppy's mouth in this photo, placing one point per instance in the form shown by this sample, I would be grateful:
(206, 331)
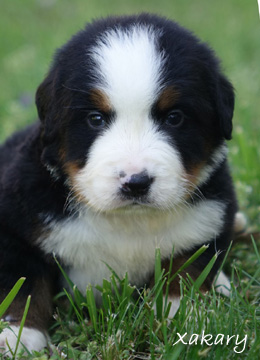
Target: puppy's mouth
(135, 207)
(139, 202)
(135, 201)
(136, 204)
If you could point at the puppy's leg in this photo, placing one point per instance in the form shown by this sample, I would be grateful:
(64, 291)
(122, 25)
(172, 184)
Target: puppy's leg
(34, 334)
(194, 270)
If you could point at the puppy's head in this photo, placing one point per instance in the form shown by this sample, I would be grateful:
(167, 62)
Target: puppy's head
(135, 112)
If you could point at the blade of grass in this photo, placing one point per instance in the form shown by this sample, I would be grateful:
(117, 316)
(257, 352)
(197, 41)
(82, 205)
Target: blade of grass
(202, 277)
(166, 312)
(252, 280)
(70, 283)
(115, 287)
(189, 261)
(255, 248)
(11, 295)
(127, 288)
(26, 309)
(79, 316)
(106, 292)
(175, 354)
(79, 298)
(157, 279)
(92, 308)
(223, 262)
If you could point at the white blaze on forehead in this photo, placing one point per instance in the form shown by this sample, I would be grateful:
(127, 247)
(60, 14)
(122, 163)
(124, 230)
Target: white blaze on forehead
(127, 68)
(128, 65)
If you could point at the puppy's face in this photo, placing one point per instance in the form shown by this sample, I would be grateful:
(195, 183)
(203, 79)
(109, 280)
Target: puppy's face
(134, 113)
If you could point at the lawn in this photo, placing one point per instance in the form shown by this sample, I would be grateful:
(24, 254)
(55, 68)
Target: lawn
(31, 30)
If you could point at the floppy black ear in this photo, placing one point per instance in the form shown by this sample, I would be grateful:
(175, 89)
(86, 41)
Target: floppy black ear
(225, 106)
(47, 111)
(44, 97)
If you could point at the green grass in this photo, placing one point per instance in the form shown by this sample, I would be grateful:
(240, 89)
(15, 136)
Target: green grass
(128, 327)
(124, 328)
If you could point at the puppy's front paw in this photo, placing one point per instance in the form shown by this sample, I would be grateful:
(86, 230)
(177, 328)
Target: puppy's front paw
(31, 339)
(222, 284)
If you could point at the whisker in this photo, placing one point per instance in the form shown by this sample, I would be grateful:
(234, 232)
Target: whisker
(195, 190)
(70, 203)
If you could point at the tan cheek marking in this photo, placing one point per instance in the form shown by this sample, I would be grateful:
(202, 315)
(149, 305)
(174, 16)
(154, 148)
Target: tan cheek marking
(100, 100)
(192, 178)
(168, 98)
(72, 169)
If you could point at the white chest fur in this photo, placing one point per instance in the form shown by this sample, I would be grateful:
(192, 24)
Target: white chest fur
(126, 240)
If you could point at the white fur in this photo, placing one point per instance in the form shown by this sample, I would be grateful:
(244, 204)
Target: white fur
(218, 156)
(240, 223)
(175, 304)
(128, 68)
(31, 339)
(126, 239)
(222, 284)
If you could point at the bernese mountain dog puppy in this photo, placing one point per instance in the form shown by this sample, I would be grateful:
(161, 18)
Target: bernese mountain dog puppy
(128, 155)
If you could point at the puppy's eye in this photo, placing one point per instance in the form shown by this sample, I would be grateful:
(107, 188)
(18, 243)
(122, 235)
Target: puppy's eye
(96, 120)
(174, 118)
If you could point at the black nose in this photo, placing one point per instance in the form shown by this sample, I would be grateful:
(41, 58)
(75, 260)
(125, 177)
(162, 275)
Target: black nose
(138, 185)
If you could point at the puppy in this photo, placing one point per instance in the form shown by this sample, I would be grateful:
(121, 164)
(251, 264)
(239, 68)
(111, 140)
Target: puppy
(128, 155)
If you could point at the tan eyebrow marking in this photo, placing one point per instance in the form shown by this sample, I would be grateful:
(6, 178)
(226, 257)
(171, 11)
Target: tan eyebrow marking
(168, 98)
(100, 100)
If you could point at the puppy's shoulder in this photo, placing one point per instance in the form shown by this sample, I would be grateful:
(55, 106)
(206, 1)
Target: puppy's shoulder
(14, 144)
